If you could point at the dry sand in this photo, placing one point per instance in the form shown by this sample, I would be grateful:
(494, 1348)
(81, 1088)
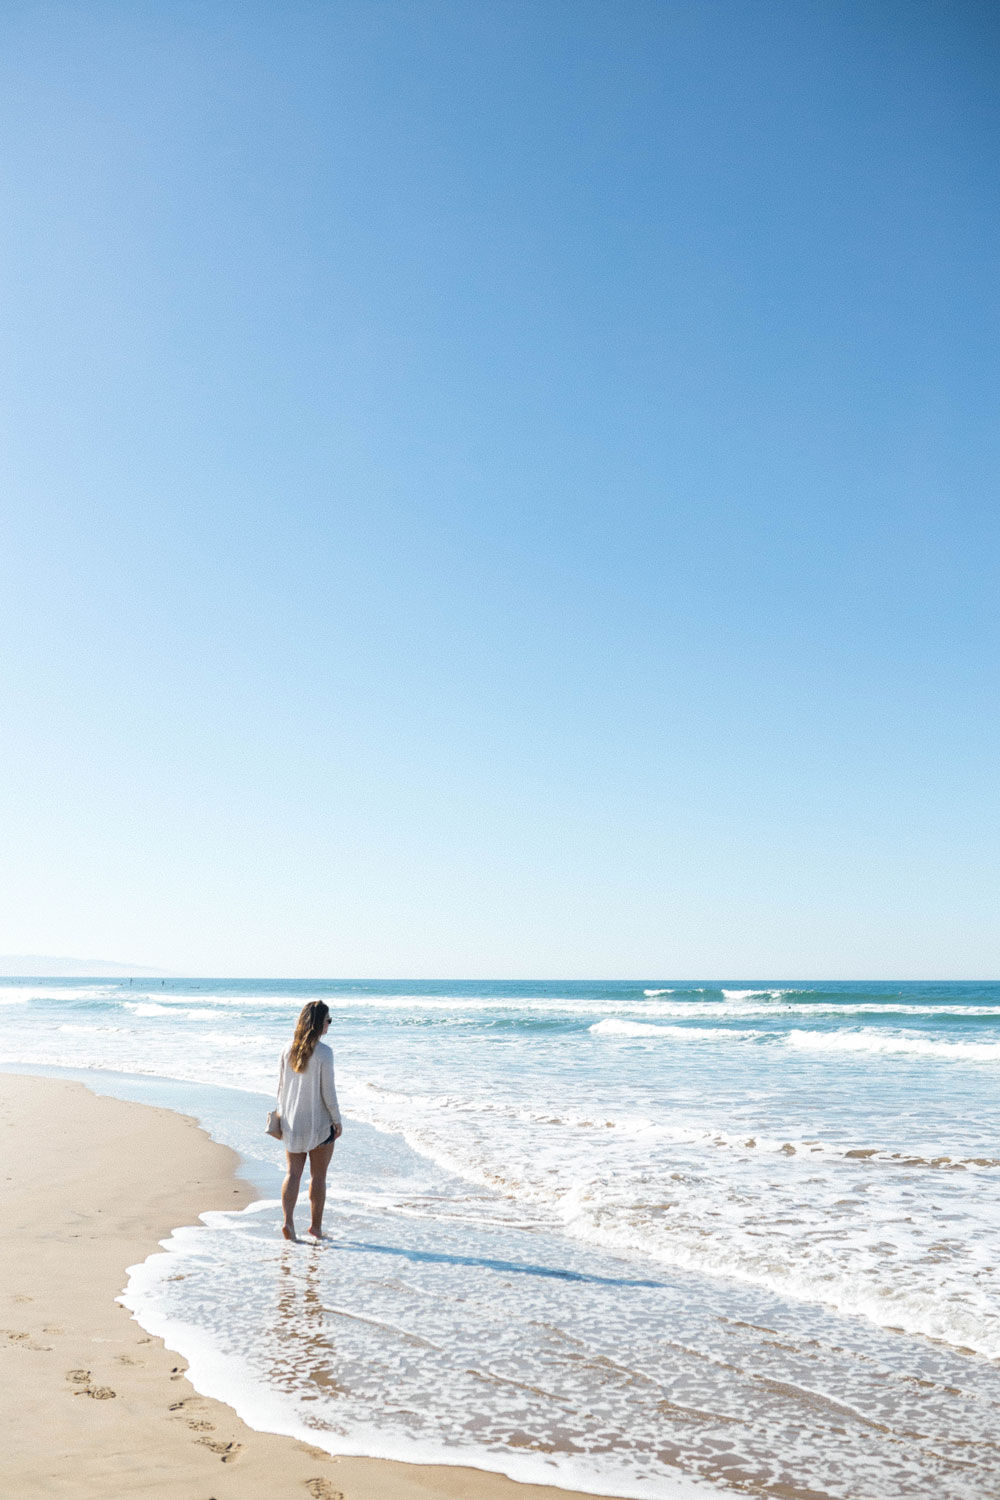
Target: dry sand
(91, 1406)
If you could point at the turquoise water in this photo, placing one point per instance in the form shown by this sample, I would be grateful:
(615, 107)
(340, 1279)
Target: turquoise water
(597, 1234)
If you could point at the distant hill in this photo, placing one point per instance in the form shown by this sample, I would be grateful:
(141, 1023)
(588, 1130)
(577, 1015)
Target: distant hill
(43, 966)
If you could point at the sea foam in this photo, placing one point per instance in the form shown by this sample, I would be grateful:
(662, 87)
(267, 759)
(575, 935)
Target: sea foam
(894, 1046)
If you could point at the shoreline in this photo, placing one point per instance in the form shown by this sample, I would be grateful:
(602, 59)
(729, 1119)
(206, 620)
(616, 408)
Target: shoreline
(97, 1406)
(457, 1319)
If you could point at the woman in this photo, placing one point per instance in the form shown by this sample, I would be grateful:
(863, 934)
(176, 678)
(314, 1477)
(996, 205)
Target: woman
(310, 1116)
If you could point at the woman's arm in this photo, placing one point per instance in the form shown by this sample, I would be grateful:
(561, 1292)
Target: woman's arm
(328, 1089)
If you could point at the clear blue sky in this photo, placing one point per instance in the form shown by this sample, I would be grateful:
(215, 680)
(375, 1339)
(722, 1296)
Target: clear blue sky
(501, 487)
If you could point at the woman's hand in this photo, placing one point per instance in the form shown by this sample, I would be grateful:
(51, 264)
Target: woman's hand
(338, 1131)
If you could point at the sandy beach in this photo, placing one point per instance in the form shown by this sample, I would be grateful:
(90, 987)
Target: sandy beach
(92, 1406)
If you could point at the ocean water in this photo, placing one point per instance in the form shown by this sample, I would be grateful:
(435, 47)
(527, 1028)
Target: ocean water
(627, 1237)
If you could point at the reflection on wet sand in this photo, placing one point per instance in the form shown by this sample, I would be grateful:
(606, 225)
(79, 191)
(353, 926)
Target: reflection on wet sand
(299, 1333)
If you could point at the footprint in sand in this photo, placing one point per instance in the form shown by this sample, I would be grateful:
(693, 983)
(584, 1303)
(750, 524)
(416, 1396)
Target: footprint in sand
(127, 1359)
(226, 1451)
(201, 1426)
(322, 1489)
(25, 1341)
(81, 1379)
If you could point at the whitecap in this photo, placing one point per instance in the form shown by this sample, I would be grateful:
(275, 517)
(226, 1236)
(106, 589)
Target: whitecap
(902, 1046)
(756, 994)
(615, 1027)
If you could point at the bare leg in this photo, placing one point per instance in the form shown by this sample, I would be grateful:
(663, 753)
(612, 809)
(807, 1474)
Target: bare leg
(290, 1190)
(319, 1161)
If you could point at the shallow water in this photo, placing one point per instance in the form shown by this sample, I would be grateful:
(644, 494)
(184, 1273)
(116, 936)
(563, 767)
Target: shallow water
(598, 1235)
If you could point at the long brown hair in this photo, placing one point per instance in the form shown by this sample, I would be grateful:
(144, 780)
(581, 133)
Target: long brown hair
(308, 1030)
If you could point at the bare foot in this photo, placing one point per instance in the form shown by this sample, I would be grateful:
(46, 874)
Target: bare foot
(317, 1234)
(288, 1231)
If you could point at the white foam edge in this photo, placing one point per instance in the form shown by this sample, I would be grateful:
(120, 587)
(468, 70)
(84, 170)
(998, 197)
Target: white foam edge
(868, 1040)
(220, 1377)
(614, 1026)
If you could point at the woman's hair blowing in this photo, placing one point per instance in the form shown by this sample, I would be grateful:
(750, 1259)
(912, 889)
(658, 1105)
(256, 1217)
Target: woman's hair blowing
(308, 1031)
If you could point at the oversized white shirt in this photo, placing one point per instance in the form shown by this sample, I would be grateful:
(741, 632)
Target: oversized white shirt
(307, 1101)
